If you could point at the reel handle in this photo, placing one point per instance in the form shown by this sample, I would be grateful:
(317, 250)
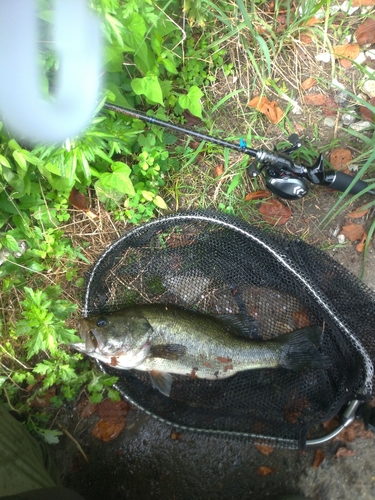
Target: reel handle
(340, 182)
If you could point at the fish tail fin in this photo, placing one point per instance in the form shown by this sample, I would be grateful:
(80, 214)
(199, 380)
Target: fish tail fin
(301, 350)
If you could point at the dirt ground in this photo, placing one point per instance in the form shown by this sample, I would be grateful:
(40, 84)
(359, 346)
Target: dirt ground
(150, 460)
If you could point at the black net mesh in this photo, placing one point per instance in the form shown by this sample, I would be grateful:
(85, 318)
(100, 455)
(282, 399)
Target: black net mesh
(217, 264)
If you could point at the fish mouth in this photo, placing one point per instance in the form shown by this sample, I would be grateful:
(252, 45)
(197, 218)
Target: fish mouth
(92, 343)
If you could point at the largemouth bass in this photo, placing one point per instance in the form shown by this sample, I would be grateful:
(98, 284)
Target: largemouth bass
(163, 339)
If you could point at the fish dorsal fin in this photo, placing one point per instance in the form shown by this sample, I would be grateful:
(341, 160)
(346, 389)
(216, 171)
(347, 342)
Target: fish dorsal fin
(168, 351)
(245, 326)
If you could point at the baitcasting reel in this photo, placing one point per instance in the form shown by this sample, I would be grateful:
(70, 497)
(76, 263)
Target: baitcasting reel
(283, 176)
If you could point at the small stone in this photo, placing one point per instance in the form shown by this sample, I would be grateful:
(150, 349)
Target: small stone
(370, 54)
(353, 168)
(341, 239)
(347, 8)
(336, 83)
(329, 122)
(361, 58)
(334, 9)
(347, 119)
(323, 57)
(361, 126)
(341, 98)
(369, 88)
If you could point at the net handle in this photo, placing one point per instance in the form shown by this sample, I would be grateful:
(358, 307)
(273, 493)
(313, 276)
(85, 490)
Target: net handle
(347, 418)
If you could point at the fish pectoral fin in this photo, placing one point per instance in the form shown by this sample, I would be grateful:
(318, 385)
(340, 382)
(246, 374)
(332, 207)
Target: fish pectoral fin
(161, 381)
(168, 351)
(246, 326)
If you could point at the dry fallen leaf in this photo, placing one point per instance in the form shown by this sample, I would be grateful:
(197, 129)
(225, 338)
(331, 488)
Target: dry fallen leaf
(78, 201)
(363, 3)
(274, 212)
(353, 431)
(85, 408)
(176, 435)
(330, 107)
(191, 119)
(315, 99)
(318, 458)
(313, 21)
(301, 319)
(345, 63)
(366, 113)
(308, 83)
(360, 247)
(268, 108)
(43, 400)
(358, 213)
(218, 170)
(112, 409)
(306, 39)
(331, 424)
(257, 195)
(296, 407)
(366, 31)
(348, 51)
(353, 232)
(264, 470)
(340, 158)
(344, 452)
(264, 450)
(105, 430)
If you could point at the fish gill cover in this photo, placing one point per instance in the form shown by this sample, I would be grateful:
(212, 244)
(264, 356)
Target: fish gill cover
(219, 265)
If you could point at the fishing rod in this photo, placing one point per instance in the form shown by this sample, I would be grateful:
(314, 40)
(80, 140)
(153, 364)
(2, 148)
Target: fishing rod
(283, 176)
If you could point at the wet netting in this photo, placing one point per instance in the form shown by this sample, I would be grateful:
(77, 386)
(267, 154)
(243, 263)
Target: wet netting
(218, 264)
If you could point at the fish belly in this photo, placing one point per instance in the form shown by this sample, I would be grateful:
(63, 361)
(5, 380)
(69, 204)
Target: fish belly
(212, 367)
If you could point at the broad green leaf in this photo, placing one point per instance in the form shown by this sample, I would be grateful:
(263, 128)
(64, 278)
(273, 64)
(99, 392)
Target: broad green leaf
(7, 205)
(22, 222)
(116, 181)
(14, 145)
(11, 243)
(144, 59)
(20, 159)
(159, 202)
(148, 86)
(85, 166)
(117, 28)
(169, 66)
(147, 195)
(4, 162)
(119, 166)
(119, 98)
(191, 101)
(136, 24)
(164, 26)
(114, 58)
(123, 183)
(156, 41)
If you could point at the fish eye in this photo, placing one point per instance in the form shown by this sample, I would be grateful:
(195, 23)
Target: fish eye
(101, 322)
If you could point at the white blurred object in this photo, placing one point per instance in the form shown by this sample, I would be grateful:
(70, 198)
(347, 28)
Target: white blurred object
(77, 41)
